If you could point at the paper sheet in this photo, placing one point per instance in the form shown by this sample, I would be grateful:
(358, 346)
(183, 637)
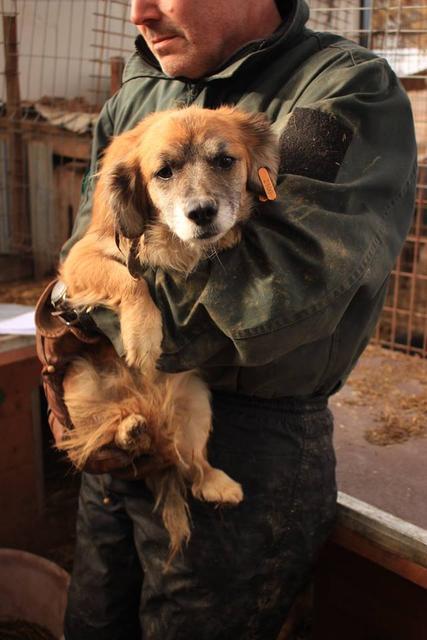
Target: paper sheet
(17, 319)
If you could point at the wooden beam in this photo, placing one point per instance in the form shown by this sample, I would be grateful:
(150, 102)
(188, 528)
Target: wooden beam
(13, 100)
(64, 143)
(414, 84)
(18, 216)
(16, 348)
(383, 538)
(76, 147)
(117, 64)
(15, 267)
(364, 548)
(42, 207)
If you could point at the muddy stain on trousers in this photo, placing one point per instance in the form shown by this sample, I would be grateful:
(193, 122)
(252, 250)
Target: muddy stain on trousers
(244, 565)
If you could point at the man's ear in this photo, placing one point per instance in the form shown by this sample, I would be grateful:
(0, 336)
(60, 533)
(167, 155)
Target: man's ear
(127, 197)
(263, 150)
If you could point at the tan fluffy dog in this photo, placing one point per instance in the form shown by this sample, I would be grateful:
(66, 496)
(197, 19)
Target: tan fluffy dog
(171, 192)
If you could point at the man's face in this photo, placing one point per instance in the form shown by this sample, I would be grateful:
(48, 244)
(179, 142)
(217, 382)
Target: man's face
(191, 38)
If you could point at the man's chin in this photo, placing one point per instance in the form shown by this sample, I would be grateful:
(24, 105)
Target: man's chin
(181, 66)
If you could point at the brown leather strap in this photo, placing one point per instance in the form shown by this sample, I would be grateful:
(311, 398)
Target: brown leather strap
(50, 326)
(57, 345)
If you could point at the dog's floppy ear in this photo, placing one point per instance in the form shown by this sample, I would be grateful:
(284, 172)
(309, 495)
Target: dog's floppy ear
(263, 150)
(128, 199)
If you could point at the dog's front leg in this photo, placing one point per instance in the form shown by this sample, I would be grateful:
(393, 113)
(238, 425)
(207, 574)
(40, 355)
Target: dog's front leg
(141, 325)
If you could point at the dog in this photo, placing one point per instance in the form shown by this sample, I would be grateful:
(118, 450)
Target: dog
(171, 192)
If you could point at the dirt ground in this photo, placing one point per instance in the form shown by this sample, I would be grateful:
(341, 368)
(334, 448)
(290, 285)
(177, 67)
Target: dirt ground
(25, 292)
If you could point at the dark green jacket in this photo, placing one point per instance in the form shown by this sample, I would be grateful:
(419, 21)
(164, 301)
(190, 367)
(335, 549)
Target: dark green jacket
(288, 311)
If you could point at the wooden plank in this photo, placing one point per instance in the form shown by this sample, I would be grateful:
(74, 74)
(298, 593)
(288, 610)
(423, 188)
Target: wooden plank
(16, 348)
(36, 414)
(74, 147)
(117, 64)
(20, 466)
(68, 186)
(64, 143)
(364, 548)
(42, 207)
(4, 198)
(19, 221)
(15, 267)
(415, 84)
(356, 599)
(387, 532)
(13, 100)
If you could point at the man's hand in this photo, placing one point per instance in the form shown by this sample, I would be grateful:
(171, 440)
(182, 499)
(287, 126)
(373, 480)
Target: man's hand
(57, 345)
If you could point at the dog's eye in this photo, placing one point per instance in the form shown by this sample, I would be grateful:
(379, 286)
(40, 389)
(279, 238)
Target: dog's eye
(224, 162)
(165, 172)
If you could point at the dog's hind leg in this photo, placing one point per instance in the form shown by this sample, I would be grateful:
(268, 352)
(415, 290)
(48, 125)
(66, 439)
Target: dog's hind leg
(104, 407)
(208, 483)
(132, 434)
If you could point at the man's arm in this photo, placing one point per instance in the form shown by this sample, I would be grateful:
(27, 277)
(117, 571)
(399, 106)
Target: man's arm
(303, 259)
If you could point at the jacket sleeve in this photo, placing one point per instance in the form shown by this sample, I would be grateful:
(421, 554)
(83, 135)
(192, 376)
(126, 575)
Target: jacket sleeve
(303, 259)
(104, 130)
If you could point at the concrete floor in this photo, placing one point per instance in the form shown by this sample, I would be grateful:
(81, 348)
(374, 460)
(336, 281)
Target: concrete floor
(393, 477)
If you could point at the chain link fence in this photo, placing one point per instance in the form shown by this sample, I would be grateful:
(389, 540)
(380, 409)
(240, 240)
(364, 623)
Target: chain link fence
(59, 62)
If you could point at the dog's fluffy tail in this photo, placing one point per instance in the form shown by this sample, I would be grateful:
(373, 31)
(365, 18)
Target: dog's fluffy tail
(170, 491)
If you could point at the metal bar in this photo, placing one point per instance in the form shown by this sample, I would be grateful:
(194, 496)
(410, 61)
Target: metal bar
(365, 23)
(389, 31)
(106, 15)
(110, 48)
(346, 10)
(114, 33)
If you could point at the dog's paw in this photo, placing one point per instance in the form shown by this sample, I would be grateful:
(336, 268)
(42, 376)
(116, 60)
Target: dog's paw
(142, 353)
(217, 486)
(132, 434)
(135, 358)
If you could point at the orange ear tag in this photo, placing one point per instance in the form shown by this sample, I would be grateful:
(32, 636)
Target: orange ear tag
(270, 192)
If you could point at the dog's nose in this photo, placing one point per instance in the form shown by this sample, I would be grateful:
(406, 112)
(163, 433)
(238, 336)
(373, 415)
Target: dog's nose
(202, 214)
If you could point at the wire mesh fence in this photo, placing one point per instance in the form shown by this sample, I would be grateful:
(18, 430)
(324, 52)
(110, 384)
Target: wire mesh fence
(397, 31)
(60, 61)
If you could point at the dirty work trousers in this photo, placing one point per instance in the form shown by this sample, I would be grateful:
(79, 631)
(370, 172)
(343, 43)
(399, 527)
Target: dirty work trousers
(244, 565)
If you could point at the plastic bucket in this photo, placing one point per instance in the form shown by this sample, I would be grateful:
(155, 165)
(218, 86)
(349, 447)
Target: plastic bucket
(33, 589)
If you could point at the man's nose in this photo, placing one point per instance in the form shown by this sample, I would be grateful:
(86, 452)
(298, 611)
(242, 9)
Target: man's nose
(142, 11)
(202, 213)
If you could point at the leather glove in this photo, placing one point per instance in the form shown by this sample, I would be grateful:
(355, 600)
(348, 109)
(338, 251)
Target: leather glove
(57, 345)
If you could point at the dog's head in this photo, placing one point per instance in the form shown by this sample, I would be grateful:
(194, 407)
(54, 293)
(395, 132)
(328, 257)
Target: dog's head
(194, 170)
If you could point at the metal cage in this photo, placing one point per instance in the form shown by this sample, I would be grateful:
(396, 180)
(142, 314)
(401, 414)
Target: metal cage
(61, 60)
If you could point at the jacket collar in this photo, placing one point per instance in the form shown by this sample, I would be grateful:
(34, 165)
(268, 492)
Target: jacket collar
(295, 14)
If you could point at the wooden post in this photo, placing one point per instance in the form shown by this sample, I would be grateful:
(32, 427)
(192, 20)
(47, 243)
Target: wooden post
(19, 222)
(11, 66)
(117, 64)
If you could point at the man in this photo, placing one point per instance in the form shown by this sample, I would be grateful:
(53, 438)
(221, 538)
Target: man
(275, 326)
